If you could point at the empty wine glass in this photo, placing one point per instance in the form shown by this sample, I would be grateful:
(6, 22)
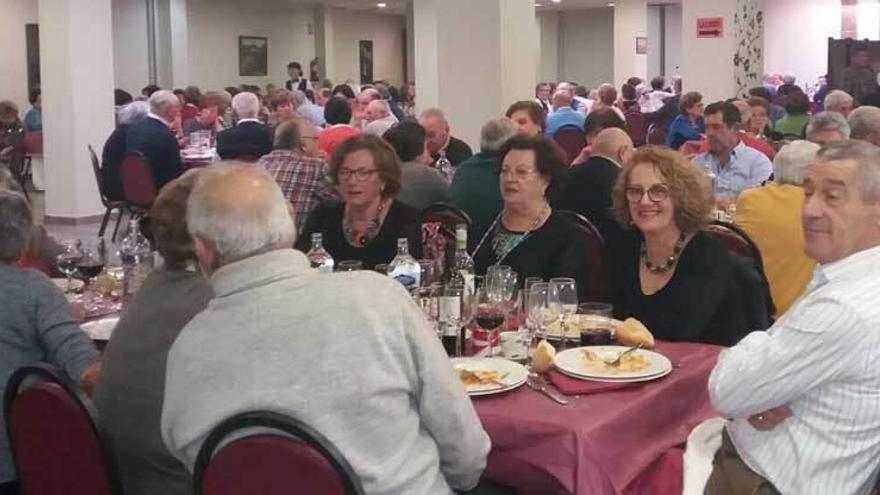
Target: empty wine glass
(71, 254)
(536, 312)
(562, 302)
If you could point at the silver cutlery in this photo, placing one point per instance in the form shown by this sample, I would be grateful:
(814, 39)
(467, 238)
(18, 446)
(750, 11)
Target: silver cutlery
(537, 382)
(616, 362)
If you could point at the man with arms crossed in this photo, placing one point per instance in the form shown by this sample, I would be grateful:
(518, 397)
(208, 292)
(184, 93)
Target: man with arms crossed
(805, 395)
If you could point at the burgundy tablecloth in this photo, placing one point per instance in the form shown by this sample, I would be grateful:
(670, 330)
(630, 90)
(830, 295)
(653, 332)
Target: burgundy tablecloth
(599, 443)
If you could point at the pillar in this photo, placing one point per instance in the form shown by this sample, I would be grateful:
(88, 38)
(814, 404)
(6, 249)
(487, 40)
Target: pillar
(719, 66)
(630, 23)
(76, 51)
(472, 59)
(324, 43)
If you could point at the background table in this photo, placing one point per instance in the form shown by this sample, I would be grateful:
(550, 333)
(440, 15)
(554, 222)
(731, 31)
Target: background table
(610, 442)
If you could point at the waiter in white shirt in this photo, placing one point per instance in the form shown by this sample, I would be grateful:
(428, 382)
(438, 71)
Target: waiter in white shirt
(296, 81)
(805, 395)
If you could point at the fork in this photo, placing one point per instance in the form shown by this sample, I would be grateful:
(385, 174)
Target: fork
(536, 382)
(616, 362)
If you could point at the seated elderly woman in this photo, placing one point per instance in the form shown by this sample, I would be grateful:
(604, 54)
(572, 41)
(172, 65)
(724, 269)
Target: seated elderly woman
(826, 127)
(211, 106)
(41, 250)
(281, 107)
(115, 148)
(797, 114)
(528, 235)
(420, 184)
(369, 221)
(864, 124)
(839, 102)
(771, 215)
(758, 123)
(688, 126)
(130, 392)
(529, 117)
(681, 282)
(36, 323)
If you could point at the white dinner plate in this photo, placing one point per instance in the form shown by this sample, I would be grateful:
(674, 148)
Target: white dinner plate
(513, 374)
(100, 329)
(573, 363)
(577, 322)
(75, 284)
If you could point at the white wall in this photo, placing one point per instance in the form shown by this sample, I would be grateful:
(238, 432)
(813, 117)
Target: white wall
(673, 40)
(13, 77)
(708, 67)
(810, 23)
(130, 59)
(630, 22)
(548, 56)
(654, 41)
(586, 46)
(386, 31)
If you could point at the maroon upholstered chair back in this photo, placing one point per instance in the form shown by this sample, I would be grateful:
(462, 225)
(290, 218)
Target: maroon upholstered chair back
(656, 134)
(571, 139)
(292, 456)
(594, 254)
(448, 217)
(33, 143)
(54, 437)
(739, 242)
(637, 127)
(137, 181)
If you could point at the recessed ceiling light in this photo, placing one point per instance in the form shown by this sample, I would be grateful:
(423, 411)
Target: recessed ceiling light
(556, 1)
(381, 5)
(537, 4)
(611, 4)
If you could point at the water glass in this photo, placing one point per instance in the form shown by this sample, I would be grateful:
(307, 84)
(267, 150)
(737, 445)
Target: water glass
(427, 276)
(427, 299)
(381, 268)
(562, 301)
(350, 265)
(67, 260)
(527, 285)
(536, 312)
(597, 325)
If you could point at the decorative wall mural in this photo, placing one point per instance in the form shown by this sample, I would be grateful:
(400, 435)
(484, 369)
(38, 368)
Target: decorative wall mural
(748, 60)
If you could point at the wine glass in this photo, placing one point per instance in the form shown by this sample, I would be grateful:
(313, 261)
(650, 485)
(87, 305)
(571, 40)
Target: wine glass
(91, 264)
(427, 275)
(562, 302)
(427, 300)
(71, 253)
(536, 311)
(489, 314)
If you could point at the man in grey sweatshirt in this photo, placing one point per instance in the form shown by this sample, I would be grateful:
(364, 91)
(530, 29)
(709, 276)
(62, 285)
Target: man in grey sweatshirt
(349, 354)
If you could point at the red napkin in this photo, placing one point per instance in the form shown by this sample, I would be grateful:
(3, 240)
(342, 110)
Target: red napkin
(572, 386)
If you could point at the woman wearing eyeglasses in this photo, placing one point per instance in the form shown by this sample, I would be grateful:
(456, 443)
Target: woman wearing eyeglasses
(680, 281)
(368, 222)
(528, 235)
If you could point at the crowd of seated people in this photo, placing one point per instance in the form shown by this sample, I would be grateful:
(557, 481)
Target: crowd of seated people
(359, 165)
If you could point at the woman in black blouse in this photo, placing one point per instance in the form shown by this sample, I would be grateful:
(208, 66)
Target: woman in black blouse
(367, 224)
(528, 235)
(681, 282)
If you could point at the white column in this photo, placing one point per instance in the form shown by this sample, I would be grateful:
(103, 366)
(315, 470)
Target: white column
(324, 43)
(76, 52)
(630, 22)
(179, 44)
(548, 58)
(472, 59)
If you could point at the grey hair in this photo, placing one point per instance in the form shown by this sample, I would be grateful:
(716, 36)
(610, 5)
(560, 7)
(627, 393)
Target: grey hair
(246, 105)
(864, 124)
(433, 113)
(495, 133)
(133, 113)
(867, 158)
(298, 97)
(287, 136)
(792, 160)
(383, 105)
(162, 100)
(235, 229)
(789, 79)
(16, 222)
(835, 99)
(828, 121)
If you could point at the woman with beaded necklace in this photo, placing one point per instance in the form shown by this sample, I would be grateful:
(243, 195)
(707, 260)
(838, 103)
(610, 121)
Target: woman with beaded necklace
(680, 281)
(367, 224)
(528, 235)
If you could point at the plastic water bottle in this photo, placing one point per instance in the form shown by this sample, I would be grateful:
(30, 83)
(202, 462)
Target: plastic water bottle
(404, 268)
(318, 256)
(137, 258)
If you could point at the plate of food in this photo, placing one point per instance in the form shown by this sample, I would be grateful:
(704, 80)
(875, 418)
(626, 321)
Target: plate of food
(100, 329)
(486, 376)
(597, 363)
(579, 322)
(75, 284)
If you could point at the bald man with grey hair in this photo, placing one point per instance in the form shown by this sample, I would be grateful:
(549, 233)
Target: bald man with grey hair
(828, 126)
(864, 124)
(155, 138)
(378, 117)
(424, 435)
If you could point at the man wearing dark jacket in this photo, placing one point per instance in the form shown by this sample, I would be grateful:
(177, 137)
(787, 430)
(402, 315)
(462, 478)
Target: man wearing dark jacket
(154, 138)
(250, 138)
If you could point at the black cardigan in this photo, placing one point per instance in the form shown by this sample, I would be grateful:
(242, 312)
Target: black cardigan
(713, 297)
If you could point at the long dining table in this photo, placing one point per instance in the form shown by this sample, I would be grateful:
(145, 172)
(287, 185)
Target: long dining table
(622, 441)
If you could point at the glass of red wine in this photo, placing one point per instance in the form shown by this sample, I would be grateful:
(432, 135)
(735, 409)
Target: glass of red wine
(489, 315)
(91, 264)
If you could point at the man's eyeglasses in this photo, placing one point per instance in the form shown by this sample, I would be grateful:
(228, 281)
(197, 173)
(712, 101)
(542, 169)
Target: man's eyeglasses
(656, 193)
(359, 175)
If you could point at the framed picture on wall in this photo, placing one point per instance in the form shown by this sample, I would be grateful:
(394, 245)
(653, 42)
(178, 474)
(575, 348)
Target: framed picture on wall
(253, 56)
(366, 60)
(641, 46)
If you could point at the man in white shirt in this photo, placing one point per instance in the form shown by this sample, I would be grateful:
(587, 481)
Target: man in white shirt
(378, 117)
(350, 354)
(805, 395)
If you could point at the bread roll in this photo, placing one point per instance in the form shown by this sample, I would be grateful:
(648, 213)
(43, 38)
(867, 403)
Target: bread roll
(632, 332)
(542, 360)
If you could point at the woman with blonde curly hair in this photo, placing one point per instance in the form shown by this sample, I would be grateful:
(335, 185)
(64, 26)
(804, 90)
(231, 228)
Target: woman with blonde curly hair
(681, 282)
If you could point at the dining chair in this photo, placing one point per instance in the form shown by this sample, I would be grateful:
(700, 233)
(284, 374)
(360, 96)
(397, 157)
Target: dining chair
(571, 139)
(637, 127)
(656, 134)
(33, 148)
(447, 215)
(738, 242)
(595, 254)
(280, 452)
(438, 243)
(57, 446)
(109, 205)
(137, 183)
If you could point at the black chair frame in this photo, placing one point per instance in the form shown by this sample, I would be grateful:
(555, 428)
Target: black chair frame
(109, 206)
(49, 373)
(758, 260)
(285, 424)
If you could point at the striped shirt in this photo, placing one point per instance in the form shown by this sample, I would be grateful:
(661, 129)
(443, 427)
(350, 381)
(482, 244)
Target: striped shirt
(302, 179)
(821, 359)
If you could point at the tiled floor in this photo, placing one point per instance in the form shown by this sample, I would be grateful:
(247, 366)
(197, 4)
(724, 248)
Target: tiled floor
(82, 231)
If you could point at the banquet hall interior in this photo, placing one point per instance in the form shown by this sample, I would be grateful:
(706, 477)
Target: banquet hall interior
(440, 247)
